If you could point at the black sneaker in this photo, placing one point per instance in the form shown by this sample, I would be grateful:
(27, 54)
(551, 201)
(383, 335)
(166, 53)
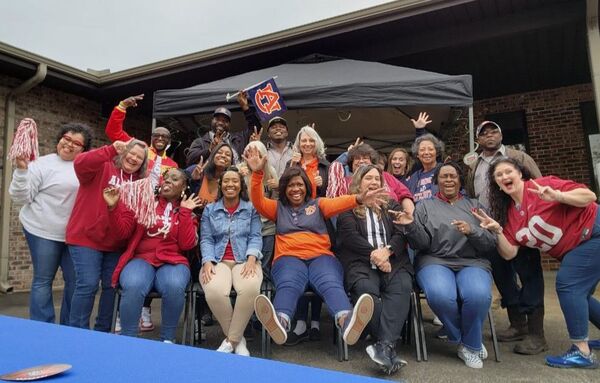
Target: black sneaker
(294, 339)
(207, 319)
(314, 334)
(378, 354)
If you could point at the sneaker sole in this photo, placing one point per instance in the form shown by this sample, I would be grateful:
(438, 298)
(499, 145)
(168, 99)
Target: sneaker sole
(146, 329)
(591, 367)
(361, 315)
(265, 312)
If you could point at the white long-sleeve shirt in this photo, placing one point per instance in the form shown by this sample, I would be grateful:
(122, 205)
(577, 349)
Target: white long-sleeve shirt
(47, 188)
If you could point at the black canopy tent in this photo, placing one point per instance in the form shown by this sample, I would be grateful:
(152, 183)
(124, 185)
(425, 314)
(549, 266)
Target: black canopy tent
(346, 98)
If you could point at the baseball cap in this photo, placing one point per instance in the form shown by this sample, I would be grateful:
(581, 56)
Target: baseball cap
(224, 111)
(480, 127)
(278, 119)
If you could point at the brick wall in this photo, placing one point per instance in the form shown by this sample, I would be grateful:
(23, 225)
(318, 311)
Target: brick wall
(51, 109)
(557, 140)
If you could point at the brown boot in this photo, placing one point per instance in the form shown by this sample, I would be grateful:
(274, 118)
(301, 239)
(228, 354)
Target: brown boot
(534, 342)
(518, 326)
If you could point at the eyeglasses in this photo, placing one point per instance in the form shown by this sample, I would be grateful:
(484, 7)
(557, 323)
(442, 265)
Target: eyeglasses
(163, 136)
(71, 141)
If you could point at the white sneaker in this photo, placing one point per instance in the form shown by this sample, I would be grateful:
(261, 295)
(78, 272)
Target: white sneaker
(241, 348)
(168, 341)
(118, 325)
(225, 347)
(483, 354)
(437, 321)
(470, 358)
(265, 312)
(146, 320)
(359, 319)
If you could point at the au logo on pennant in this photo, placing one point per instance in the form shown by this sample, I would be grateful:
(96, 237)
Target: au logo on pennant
(267, 100)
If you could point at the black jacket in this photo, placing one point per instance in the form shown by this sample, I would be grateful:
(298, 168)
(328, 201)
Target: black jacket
(355, 250)
(238, 141)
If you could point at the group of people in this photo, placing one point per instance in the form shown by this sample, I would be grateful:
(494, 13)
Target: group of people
(359, 233)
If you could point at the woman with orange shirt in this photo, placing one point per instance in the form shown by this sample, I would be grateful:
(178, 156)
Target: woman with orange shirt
(303, 253)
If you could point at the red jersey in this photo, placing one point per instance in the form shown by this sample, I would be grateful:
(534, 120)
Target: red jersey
(552, 227)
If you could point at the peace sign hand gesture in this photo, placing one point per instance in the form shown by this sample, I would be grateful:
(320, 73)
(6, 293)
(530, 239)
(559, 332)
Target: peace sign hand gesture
(256, 135)
(355, 144)
(486, 221)
(546, 193)
(199, 169)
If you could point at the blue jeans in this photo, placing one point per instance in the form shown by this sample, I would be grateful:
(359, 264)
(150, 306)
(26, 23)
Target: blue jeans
(137, 280)
(46, 257)
(91, 268)
(324, 274)
(460, 299)
(576, 281)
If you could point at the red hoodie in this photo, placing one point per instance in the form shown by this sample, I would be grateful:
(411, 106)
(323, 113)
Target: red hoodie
(156, 250)
(89, 224)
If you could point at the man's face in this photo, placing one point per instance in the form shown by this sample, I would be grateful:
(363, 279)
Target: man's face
(490, 138)
(161, 137)
(278, 132)
(220, 123)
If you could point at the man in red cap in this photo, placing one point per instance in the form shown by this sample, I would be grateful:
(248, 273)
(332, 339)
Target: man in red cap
(219, 132)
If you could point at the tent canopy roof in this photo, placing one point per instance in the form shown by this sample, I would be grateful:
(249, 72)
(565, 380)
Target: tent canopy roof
(326, 82)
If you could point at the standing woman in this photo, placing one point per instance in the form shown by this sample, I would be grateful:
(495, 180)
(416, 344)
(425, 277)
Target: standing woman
(450, 262)
(399, 164)
(231, 251)
(47, 187)
(373, 254)
(205, 175)
(427, 149)
(94, 246)
(559, 217)
(154, 257)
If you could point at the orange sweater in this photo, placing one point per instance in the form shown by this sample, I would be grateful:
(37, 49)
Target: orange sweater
(302, 243)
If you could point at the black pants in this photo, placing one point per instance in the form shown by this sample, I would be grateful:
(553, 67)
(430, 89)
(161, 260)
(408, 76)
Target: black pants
(527, 265)
(392, 302)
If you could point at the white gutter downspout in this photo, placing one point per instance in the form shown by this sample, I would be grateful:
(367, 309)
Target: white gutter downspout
(9, 128)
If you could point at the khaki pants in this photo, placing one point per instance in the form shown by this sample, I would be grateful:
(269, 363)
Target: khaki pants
(233, 321)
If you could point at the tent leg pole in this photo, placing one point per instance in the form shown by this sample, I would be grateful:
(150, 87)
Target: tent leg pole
(471, 132)
(153, 124)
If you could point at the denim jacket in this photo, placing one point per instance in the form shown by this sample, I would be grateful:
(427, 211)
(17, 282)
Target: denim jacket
(242, 228)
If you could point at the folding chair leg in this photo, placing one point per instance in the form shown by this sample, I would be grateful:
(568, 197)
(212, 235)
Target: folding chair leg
(415, 322)
(116, 305)
(494, 337)
(421, 329)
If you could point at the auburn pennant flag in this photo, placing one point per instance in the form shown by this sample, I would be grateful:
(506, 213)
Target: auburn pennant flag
(267, 100)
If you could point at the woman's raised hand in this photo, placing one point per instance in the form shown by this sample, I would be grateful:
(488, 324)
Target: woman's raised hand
(22, 163)
(131, 101)
(256, 161)
(111, 196)
(422, 121)
(191, 202)
(402, 217)
(199, 169)
(372, 197)
(546, 193)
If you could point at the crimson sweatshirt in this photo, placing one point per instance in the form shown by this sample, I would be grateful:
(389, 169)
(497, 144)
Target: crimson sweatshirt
(89, 224)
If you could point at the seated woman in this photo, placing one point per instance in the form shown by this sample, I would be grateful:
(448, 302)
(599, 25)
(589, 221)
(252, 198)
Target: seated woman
(373, 254)
(231, 251)
(154, 258)
(450, 263)
(303, 254)
(561, 218)
(47, 187)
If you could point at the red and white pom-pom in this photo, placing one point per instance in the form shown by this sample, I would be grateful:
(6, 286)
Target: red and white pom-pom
(138, 196)
(336, 182)
(25, 142)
